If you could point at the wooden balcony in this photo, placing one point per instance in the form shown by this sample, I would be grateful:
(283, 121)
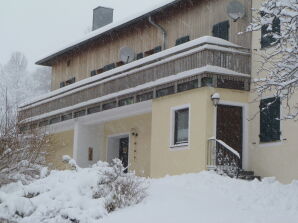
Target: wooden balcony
(168, 72)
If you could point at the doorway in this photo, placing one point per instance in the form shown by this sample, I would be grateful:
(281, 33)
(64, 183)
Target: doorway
(229, 127)
(118, 147)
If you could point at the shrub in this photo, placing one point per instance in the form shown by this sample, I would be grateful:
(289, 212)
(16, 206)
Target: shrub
(118, 188)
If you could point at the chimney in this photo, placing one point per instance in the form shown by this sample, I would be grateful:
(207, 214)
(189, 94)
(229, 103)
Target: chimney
(102, 16)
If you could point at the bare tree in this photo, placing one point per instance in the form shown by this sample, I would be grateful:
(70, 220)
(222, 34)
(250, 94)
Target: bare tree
(22, 154)
(277, 73)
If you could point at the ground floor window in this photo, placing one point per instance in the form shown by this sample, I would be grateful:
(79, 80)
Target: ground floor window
(181, 126)
(270, 120)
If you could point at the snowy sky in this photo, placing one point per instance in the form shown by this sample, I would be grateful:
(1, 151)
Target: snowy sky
(37, 27)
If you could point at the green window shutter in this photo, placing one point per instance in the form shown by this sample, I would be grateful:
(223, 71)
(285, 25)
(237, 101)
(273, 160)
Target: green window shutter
(221, 30)
(270, 120)
(267, 37)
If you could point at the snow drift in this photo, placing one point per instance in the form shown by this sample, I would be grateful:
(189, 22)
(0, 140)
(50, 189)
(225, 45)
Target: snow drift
(203, 197)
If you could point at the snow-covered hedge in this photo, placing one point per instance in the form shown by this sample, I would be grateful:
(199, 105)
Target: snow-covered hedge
(79, 195)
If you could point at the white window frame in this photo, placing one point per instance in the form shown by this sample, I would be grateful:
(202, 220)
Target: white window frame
(172, 128)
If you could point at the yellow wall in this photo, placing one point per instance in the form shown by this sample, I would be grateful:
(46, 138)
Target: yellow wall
(166, 160)
(139, 146)
(61, 144)
(277, 159)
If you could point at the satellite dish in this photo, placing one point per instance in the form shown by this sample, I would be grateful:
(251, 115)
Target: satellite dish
(127, 54)
(236, 10)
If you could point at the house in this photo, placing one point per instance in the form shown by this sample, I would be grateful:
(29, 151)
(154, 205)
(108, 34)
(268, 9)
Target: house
(167, 91)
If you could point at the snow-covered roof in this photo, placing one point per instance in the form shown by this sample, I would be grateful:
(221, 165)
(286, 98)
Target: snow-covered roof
(106, 29)
(205, 42)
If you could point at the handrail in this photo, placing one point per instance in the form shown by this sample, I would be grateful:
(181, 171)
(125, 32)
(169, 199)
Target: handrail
(226, 146)
(222, 158)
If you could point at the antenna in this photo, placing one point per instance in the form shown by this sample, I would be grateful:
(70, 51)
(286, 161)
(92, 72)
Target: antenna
(126, 54)
(236, 10)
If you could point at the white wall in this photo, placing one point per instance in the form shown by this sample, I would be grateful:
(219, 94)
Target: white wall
(86, 136)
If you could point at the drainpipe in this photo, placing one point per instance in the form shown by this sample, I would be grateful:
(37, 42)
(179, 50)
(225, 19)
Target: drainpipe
(163, 31)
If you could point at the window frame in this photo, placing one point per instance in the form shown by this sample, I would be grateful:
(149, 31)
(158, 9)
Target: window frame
(173, 144)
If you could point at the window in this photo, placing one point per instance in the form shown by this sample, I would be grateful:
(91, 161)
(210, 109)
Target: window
(165, 91)
(94, 109)
(182, 40)
(93, 73)
(206, 81)
(66, 117)
(126, 101)
(230, 84)
(54, 120)
(145, 96)
(109, 105)
(221, 30)
(62, 84)
(140, 56)
(270, 120)
(267, 33)
(157, 49)
(109, 67)
(187, 85)
(79, 113)
(181, 126)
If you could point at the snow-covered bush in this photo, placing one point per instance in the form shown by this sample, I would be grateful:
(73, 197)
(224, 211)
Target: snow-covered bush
(78, 195)
(21, 155)
(119, 189)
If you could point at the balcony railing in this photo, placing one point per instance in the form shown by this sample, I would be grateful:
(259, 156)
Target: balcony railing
(145, 82)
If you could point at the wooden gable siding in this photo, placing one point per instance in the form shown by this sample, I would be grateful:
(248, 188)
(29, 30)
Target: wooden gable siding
(194, 18)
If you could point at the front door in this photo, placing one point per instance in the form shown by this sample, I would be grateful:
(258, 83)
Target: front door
(123, 151)
(229, 126)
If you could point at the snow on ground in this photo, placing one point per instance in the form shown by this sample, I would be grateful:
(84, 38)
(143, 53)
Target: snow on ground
(201, 197)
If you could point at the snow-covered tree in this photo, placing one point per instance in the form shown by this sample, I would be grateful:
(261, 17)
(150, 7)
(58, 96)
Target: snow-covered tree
(278, 22)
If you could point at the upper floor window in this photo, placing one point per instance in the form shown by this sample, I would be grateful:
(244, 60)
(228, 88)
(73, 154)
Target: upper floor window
(270, 120)
(182, 40)
(181, 126)
(269, 32)
(68, 82)
(221, 30)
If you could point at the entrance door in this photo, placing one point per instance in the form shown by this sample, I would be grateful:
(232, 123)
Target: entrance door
(229, 126)
(123, 151)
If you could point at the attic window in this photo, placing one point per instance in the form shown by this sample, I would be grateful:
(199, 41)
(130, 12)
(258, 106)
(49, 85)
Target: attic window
(153, 51)
(62, 84)
(70, 81)
(93, 73)
(157, 49)
(108, 67)
(90, 154)
(221, 30)
(68, 63)
(140, 56)
(182, 40)
(120, 63)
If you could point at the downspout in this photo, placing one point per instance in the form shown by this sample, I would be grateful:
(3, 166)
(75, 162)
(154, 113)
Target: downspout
(163, 31)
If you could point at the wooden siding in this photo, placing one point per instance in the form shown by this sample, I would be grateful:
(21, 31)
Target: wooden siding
(194, 18)
(233, 61)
